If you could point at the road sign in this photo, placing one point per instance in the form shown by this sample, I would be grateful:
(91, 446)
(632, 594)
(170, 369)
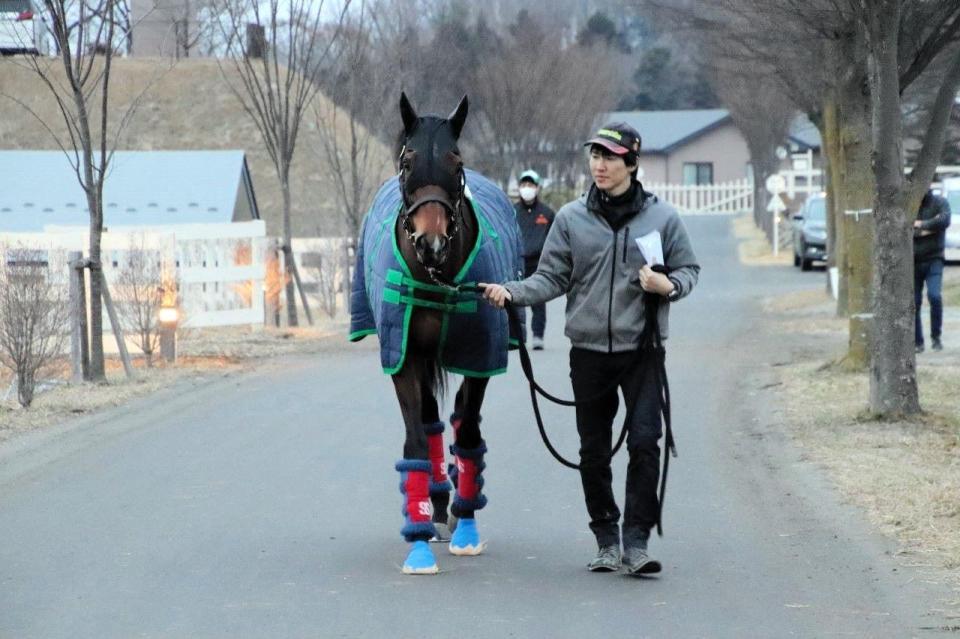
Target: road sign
(776, 204)
(775, 184)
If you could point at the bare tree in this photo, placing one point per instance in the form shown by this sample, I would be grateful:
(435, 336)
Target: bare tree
(277, 84)
(34, 316)
(825, 70)
(351, 152)
(537, 100)
(323, 263)
(139, 292)
(893, 385)
(79, 81)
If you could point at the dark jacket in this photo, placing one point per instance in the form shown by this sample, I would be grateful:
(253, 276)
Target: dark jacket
(534, 222)
(934, 215)
(597, 267)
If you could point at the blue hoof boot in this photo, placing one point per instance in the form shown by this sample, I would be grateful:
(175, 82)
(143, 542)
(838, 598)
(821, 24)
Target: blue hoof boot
(420, 561)
(466, 539)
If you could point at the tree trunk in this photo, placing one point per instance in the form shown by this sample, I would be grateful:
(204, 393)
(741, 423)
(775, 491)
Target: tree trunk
(26, 384)
(95, 202)
(893, 367)
(831, 154)
(290, 288)
(854, 193)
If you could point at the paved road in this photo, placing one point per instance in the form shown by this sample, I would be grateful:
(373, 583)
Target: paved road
(266, 506)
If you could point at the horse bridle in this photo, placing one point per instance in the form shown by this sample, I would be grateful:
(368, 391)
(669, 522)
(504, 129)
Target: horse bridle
(409, 208)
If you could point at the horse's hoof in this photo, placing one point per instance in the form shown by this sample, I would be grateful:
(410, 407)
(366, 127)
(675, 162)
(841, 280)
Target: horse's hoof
(420, 560)
(466, 539)
(443, 533)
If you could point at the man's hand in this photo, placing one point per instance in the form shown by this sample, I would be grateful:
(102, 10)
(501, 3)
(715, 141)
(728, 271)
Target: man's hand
(653, 282)
(917, 224)
(496, 294)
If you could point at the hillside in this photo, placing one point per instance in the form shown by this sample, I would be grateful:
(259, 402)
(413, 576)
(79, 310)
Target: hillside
(187, 106)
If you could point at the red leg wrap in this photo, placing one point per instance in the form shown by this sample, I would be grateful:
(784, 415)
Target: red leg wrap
(467, 472)
(416, 487)
(437, 461)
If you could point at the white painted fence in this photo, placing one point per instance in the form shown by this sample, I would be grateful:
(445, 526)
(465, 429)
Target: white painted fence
(724, 199)
(219, 268)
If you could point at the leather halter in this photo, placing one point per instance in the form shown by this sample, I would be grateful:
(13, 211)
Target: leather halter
(409, 208)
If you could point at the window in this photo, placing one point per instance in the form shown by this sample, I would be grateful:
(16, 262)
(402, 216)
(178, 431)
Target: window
(698, 172)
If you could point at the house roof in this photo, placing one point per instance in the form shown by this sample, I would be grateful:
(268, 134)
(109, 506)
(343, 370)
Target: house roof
(662, 131)
(803, 133)
(143, 188)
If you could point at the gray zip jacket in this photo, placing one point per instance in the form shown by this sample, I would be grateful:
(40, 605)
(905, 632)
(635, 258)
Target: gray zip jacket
(598, 270)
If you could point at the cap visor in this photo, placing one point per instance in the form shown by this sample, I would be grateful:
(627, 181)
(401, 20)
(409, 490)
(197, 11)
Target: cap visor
(613, 147)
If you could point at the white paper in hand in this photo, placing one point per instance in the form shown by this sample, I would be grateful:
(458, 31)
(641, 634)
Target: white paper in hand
(651, 247)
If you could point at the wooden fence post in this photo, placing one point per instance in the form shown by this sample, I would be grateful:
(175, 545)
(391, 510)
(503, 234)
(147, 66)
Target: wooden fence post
(115, 323)
(79, 337)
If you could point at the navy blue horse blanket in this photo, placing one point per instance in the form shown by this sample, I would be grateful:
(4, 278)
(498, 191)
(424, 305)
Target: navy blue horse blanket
(474, 334)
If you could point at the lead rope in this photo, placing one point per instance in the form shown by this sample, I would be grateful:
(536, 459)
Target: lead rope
(651, 343)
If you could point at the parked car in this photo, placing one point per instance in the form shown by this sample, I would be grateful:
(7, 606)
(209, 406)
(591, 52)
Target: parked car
(21, 29)
(810, 232)
(951, 191)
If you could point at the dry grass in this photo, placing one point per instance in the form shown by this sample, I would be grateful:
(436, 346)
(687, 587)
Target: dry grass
(202, 355)
(904, 474)
(754, 248)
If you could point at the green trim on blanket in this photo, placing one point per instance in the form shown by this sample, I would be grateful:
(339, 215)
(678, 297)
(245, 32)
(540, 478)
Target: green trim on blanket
(397, 278)
(392, 296)
(467, 373)
(403, 353)
(356, 336)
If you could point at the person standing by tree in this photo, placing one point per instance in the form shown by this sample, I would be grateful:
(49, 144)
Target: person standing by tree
(535, 219)
(929, 233)
(592, 254)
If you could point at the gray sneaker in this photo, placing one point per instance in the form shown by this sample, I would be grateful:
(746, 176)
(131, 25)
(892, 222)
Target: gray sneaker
(636, 561)
(937, 346)
(537, 343)
(607, 560)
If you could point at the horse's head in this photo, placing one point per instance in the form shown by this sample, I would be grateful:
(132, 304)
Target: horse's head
(431, 180)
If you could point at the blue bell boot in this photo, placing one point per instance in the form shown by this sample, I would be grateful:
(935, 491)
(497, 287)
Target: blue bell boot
(420, 560)
(466, 539)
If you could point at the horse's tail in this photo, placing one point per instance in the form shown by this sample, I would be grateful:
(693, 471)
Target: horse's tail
(435, 377)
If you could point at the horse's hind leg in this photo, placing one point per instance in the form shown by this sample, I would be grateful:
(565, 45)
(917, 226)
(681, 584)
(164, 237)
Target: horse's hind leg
(468, 450)
(433, 427)
(415, 471)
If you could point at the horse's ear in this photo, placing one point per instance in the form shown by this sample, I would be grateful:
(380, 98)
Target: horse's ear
(459, 116)
(408, 114)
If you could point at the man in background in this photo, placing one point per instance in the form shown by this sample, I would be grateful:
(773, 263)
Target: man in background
(929, 234)
(534, 218)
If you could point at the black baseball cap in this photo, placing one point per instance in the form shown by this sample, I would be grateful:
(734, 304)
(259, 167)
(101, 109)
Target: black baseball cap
(617, 137)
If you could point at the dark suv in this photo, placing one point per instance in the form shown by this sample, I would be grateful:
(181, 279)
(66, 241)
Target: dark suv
(810, 233)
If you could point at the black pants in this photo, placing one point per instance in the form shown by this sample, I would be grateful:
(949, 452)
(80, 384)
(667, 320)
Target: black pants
(591, 372)
(539, 322)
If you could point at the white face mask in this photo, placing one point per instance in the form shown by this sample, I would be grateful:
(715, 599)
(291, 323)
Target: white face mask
(528, 193)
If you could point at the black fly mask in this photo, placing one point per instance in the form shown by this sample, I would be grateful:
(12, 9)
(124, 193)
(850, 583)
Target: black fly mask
(431, 171)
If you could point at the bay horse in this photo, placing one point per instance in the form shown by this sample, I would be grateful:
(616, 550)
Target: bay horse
(433, 228)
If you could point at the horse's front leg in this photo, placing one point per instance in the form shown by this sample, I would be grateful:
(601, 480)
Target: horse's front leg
(434, 427)
(415, 471)
(468, 451)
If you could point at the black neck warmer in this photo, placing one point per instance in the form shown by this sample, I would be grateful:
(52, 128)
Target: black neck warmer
(617, 209)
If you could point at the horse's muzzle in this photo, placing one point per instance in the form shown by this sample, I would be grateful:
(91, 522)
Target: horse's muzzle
(432, 250)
